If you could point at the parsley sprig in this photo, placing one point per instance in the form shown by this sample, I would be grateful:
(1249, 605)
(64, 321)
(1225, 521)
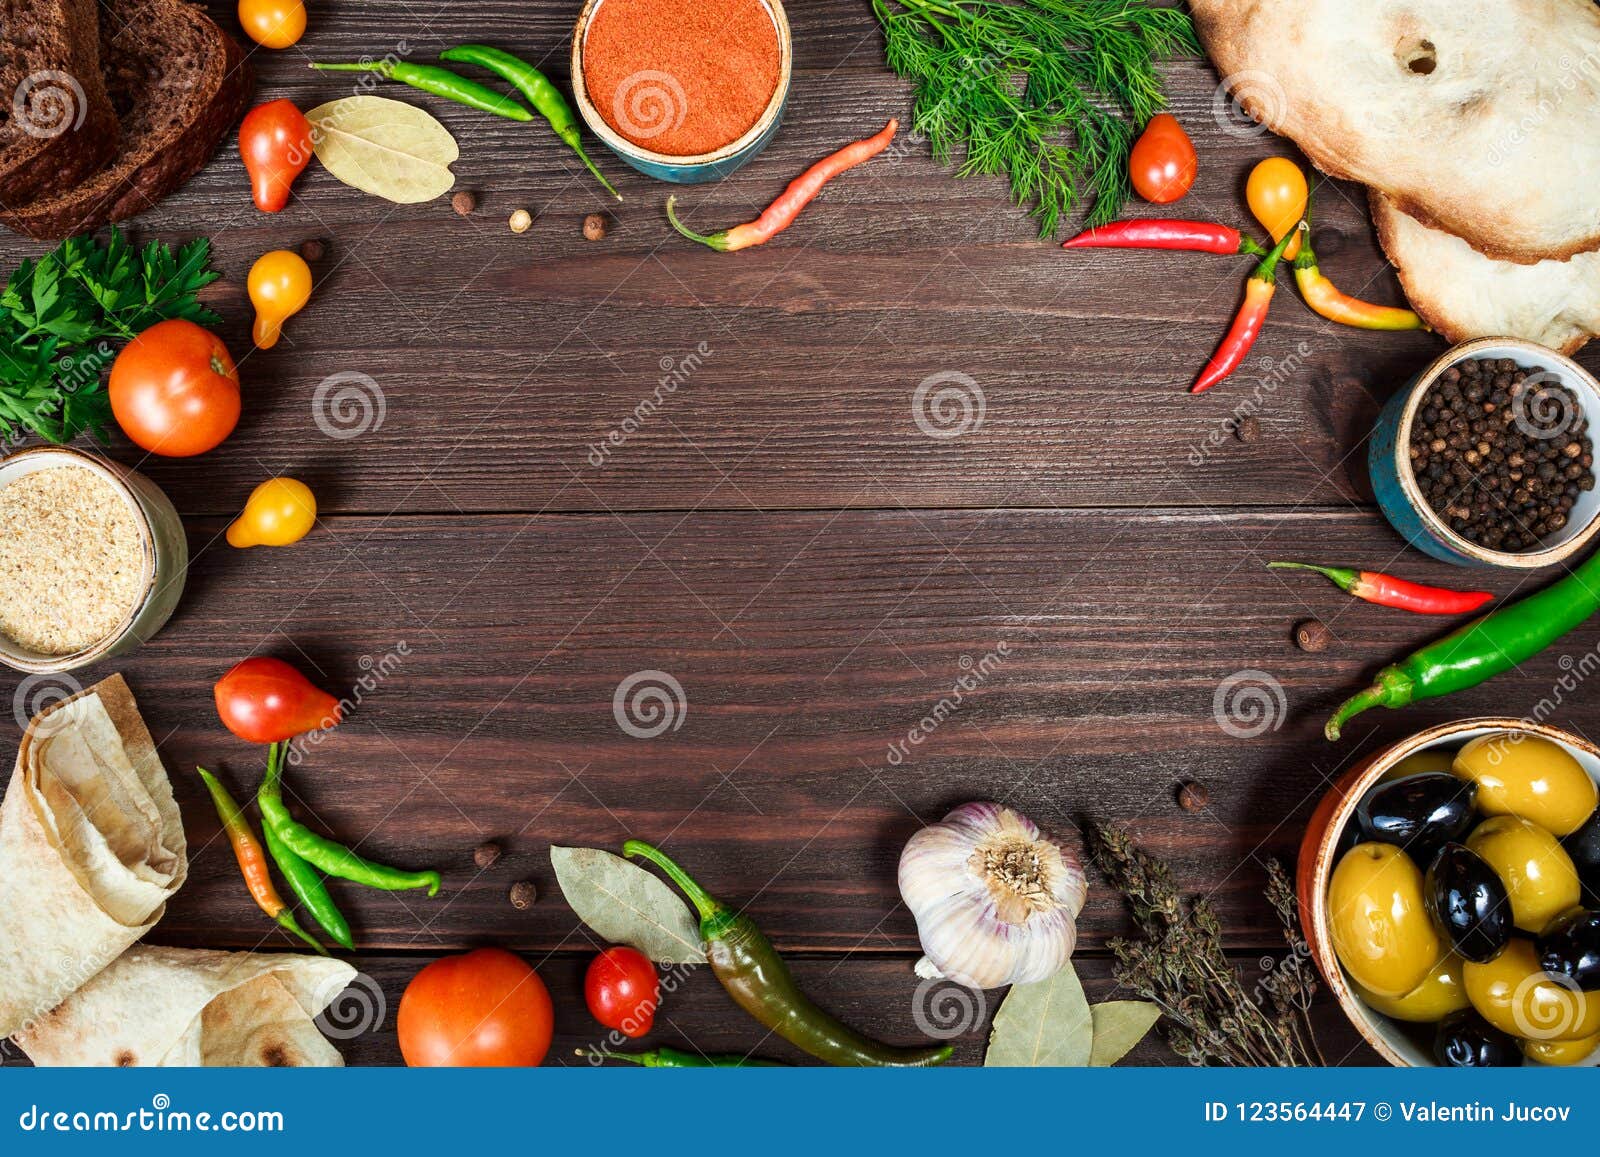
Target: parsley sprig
(63, 317)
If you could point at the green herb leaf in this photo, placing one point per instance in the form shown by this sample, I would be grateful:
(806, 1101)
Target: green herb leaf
(1118, 1026)
(625, 904)
(1043, 1025)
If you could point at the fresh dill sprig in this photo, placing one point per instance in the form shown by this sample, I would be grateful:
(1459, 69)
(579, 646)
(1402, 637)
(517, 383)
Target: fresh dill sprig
(1048, 93)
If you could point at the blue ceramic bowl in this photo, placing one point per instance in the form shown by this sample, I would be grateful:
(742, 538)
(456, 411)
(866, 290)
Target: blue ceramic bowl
(1389, 461)
(693, 170)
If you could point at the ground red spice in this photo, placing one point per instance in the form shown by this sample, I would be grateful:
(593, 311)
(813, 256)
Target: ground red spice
(681, 77)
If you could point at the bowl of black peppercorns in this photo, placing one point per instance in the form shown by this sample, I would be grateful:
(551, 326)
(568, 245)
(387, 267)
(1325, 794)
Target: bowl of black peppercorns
(1487, 459)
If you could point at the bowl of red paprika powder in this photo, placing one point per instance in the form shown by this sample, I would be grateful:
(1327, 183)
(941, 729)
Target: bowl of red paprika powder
(683, 90)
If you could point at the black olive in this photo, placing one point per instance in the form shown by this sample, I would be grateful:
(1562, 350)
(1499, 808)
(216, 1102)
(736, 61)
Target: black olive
(1465, 1040)
(1420, 813)
(1571, 947)
(1583, 846)
(1469, 903)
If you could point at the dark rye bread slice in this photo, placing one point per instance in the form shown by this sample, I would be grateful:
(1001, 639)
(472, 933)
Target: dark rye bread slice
(177, 83)
(56, 123)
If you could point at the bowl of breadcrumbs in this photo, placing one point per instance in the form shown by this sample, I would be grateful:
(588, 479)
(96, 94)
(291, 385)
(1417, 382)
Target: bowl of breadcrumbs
(92, 559)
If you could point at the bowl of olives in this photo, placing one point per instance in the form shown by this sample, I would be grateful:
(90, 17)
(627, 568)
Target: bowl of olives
(1450, 892)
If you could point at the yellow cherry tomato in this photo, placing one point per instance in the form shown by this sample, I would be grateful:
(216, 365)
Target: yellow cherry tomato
(1441, 993)
(280, 286)
(1538, 874)
(1516, 996)
(278, 512)
(1379, 923)
(1560, 1052)
(273, 23)
(1277, 194)
(1525, 775)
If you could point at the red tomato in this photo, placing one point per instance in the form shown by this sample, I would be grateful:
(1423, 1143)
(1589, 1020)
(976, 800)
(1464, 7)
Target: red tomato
(1163, 164)
(264, 700)
(485, 1009)
(174, 389)
(275, 142)
(622, 990)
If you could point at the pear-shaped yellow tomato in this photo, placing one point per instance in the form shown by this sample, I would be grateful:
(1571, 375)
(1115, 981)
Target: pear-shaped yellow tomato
(1441, 992)
(1517, 996)
(1379, 923)
(278, 512)
(1277, 194)
(1536, 870)
(1529, 776)
(1560, 1052)
(280, 286)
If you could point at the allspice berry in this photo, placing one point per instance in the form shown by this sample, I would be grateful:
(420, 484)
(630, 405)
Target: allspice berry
(1312, 635)
(313, 250)
(463, 203)
(1247, 430)
(486, 855)
(1193, 796)
(521, 221)
(523, 894)
(594, 226)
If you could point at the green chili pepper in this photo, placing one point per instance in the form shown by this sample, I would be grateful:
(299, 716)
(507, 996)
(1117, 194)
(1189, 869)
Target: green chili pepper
(1483, 648)
(750, 968)
(304, 880)
(669, 1058)
(331, 857)
(541, 94)
(430, 78)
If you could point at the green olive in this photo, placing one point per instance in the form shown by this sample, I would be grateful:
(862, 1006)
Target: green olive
(1441, 992)
(1516, 996)
(1421, 762)
(1538, 873)
(1560, 1052)
(1380, 926)
(1525, 775)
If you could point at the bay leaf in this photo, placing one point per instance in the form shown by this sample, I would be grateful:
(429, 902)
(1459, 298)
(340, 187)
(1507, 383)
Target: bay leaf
(625, 904)
(1118, 1026)
(1041, 1025)
(384, 147)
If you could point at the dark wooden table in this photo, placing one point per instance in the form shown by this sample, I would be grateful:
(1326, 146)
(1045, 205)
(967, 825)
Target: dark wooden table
(782, 536)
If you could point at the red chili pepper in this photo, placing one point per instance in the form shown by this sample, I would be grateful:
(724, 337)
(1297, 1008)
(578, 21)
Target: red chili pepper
(801, 192)
(1388, 591)
(1166, 233)
(1247, 322)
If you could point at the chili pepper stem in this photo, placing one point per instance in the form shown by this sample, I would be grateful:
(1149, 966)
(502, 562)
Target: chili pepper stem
(1342, 577)
(598, 175)
(703, 901)
(287, 921)
(717, 241)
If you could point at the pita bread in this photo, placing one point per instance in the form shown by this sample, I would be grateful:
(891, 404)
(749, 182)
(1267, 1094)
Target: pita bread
(178, 1006)
(91, 848)
(1481, 118)
(1463, 294)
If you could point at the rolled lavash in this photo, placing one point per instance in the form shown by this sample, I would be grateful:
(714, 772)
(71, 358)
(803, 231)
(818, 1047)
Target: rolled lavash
(91, 849)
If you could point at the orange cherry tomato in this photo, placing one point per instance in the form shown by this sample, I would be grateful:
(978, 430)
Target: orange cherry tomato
(174, 390)
(1277, 194)
(273, 23)
(1163, 164)
(275, 142)
(280, 286)
(484, 1009)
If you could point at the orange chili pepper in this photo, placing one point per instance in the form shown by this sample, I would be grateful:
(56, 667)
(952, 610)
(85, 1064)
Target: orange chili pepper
(1247, 322)
(252, 859)
(1326, 299)
(801, 192)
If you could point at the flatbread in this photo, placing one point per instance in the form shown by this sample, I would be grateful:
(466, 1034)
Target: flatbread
(91, 848)
(179, 1006)
(1478, 117)
(1463, 294)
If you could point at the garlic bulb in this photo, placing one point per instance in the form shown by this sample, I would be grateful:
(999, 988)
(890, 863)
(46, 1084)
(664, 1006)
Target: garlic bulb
(996, 900)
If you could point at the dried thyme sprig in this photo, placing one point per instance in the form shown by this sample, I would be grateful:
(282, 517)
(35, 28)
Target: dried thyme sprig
(1180, 964)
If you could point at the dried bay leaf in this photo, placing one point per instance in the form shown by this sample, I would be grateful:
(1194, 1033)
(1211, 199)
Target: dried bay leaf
(1042, 1025)
(384, 147)
(1118, 1026)
(625, 904)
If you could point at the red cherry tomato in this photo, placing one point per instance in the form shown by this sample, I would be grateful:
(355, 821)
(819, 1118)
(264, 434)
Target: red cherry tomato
(1163, 164)
(622, 990)
(263, 700)
(174, 389)
(487, 1008)
(275, 142)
